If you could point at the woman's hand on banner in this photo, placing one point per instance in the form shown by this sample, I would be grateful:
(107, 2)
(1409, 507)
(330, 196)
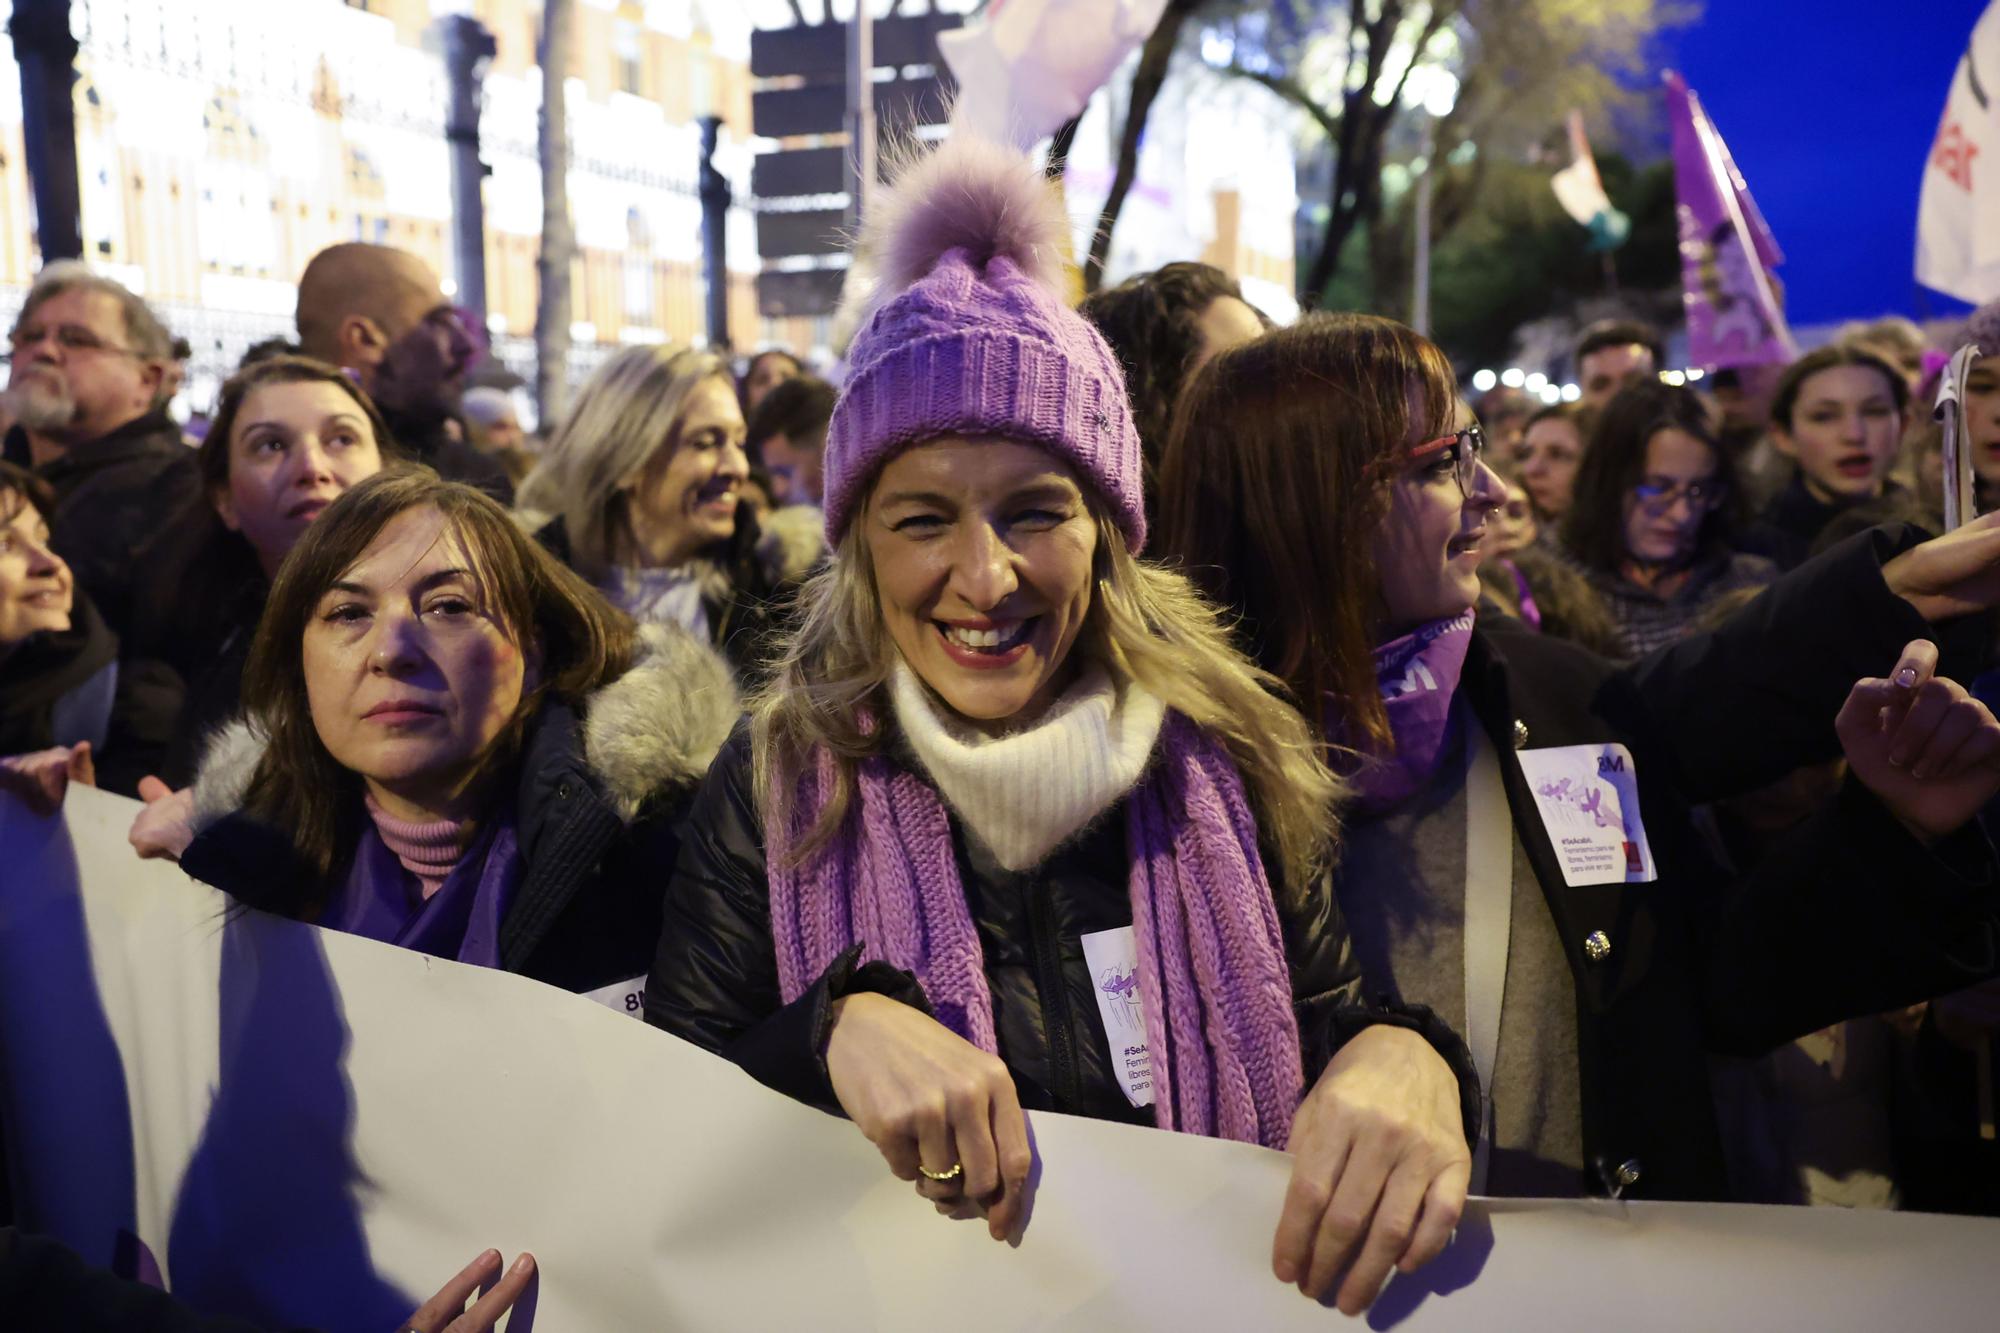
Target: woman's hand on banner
(1929, 751)
(1379, 1168)
(166, 826)
(41, 779)
(446, 1312)
(942, 1112)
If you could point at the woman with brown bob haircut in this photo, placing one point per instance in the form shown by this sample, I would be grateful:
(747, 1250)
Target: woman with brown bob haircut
(1519, 855)
(453, 744)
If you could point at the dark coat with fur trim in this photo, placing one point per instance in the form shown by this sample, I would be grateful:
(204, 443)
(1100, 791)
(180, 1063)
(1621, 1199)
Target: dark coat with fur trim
(599, 797)
(750, 580)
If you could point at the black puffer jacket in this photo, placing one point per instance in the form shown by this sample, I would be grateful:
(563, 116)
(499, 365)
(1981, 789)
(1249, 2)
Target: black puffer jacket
(715, 981)
(598, 804)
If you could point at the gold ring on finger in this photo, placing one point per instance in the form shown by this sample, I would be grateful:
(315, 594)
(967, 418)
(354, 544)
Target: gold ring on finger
(957, 1170)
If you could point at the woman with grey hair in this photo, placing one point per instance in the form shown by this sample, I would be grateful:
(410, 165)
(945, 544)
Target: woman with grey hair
(641, 491)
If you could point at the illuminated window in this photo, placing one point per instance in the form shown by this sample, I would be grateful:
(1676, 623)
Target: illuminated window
(638, 271)
(627, 48)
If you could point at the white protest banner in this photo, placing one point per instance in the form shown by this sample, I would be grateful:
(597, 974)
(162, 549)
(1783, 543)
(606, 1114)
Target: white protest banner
(310, 1127)
(1958, 211)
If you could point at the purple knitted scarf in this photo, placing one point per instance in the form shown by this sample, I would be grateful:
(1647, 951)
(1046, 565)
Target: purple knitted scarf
(1226, 1043)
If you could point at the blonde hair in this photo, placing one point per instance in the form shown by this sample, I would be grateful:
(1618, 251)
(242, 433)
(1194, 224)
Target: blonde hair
(628, 410)
(1146, 624)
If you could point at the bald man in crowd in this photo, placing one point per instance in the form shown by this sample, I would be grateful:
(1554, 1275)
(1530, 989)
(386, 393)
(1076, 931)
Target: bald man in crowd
(381, 313)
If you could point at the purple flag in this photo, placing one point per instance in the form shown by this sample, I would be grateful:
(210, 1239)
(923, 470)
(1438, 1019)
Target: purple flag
(1727, 250)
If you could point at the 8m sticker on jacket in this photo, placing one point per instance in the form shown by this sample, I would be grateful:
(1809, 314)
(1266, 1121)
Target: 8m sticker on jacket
(1588, 798)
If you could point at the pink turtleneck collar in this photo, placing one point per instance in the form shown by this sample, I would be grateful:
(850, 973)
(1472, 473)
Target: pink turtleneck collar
(429, 851)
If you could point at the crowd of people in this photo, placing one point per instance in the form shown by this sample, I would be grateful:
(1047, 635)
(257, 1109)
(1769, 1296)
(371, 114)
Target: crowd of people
(1481, 796)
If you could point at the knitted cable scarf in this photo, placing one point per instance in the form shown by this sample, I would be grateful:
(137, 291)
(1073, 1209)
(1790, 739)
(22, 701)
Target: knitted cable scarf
(1226, 1057)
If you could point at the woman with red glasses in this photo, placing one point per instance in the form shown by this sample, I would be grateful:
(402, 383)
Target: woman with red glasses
(1653, 516)
(1519, 855)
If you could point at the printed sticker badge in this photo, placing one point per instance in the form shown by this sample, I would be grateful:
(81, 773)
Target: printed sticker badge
(1588, 798)
(627, 997)
(1113, 959)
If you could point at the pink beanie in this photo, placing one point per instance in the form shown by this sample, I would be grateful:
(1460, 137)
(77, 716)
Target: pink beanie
(967, 333)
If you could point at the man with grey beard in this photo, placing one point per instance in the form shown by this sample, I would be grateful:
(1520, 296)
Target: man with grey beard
(86, 394)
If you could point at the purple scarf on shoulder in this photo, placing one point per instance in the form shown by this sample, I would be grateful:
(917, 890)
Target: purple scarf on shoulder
(1212, 966)
(1418, 676)
(381, 900)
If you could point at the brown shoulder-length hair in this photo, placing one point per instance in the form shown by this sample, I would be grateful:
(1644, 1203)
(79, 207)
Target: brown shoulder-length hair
(583, 643)
(1275, 478)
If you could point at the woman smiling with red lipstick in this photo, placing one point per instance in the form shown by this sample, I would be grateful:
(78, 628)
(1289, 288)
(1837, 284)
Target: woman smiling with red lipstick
(1014, 827)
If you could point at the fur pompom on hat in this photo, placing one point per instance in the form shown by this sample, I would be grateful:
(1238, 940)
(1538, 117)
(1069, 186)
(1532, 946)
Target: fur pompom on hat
(966, 332)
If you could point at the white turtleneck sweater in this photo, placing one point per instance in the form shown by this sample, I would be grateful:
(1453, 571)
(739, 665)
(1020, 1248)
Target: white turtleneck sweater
(1023, 794)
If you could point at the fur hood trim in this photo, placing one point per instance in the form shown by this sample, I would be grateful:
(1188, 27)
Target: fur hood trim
(653, 731)
(793, 540)
(658, 727)
(227, 763)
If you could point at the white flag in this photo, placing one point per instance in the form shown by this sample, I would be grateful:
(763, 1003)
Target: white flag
(1026, 66)
(1578, 187)
(1958, 219)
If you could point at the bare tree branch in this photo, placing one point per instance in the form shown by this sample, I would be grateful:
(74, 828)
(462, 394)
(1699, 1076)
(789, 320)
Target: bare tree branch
(1058, 159)
(1289, 88)
(1154, 58)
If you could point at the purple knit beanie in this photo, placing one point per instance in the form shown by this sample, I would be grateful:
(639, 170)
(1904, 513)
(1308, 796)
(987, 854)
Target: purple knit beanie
(966, 332)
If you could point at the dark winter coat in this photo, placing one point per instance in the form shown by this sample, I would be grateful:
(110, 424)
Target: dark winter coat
(598, 796)
(715, 981)
(202, 592)
(114, 496)
(427, 437)
(751, 578)
(1847, 915)
(1788, 530)
(62, 688)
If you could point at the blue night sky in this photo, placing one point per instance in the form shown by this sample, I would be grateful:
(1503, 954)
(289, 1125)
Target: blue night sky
(1829, 108)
